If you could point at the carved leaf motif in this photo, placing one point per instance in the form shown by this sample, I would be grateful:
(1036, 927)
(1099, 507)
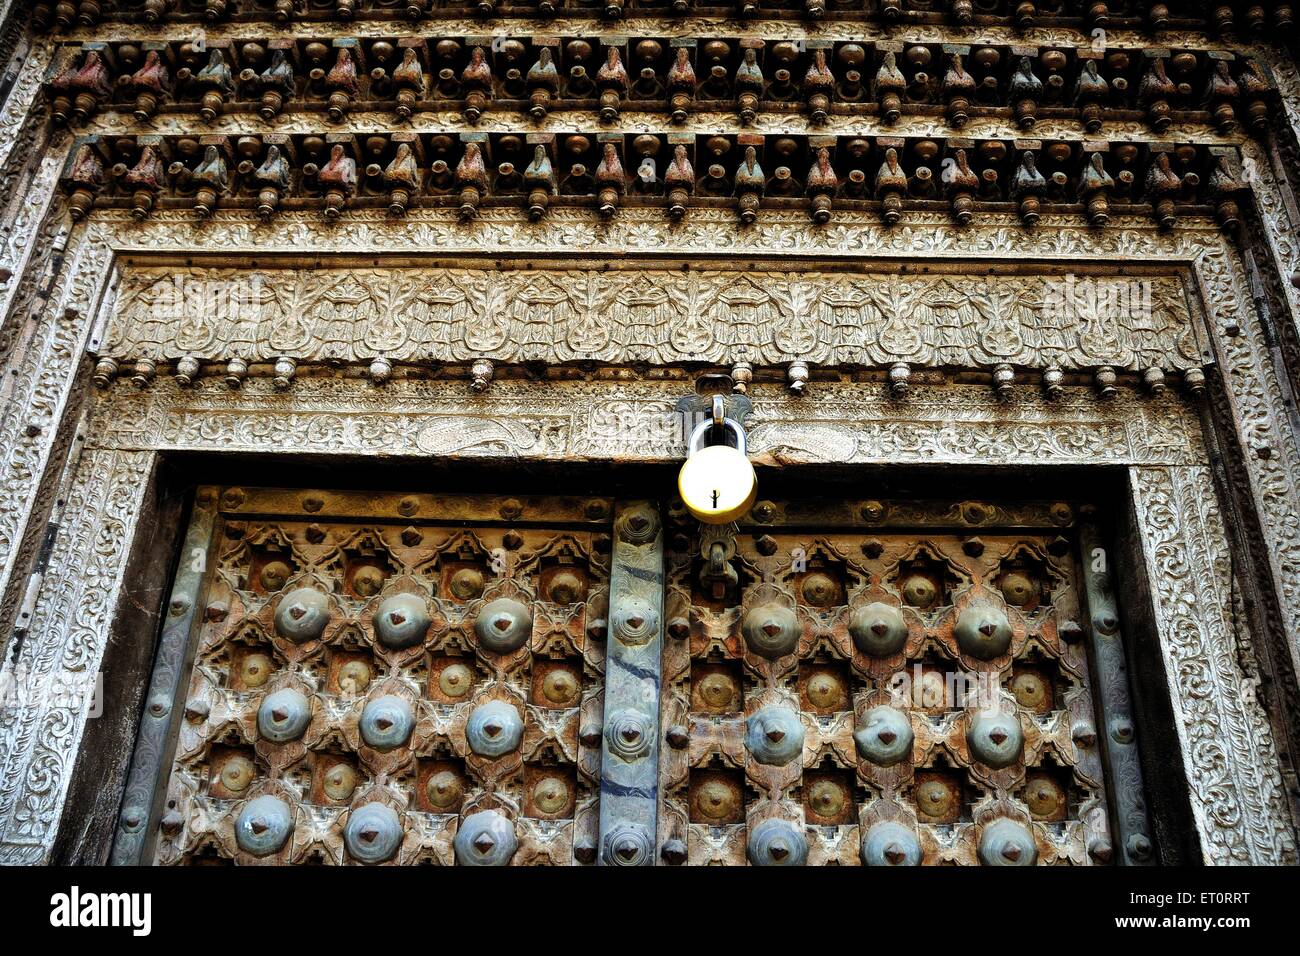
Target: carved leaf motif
(997, 321)
(487, 322)
(388, 328)
(690, 334)
(899, 337)
(588, 329)
(287, 325)
(797, 335)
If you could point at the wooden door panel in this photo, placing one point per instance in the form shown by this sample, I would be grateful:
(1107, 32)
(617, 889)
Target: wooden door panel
(884, 683)
(375, 675)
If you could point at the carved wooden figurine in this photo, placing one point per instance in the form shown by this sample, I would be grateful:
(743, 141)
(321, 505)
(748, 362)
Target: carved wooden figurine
(472, 181)
(750, 183)
(818, 87)
(543, 84)
(612, 82)
(272, 181)
(276, 84)
(402, 179)
(149, 85)
(409, 80)
(343, 86)
(1028, 187)
(476, 82)
(822, 183)
(1221, 91)
(891, 187)
(957, 88)
(679, 180)
(82, 89)
(610, 181)
(1090, 93)
(85, 178)
(961, 183)
(1162, 186)
(1223, 187)
(749, 86)
(337, 180)
(215, 83)
(210, 179)
(890, 86)
(681, 85)
(1154, 93)
(540, 181)
(1025, 91)
(1095, 186)
(145, 180)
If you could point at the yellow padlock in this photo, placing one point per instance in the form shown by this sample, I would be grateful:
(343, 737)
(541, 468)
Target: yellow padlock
(717, 482)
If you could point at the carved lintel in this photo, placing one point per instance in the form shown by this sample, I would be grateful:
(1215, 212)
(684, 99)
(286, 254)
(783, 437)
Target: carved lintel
(779, 315)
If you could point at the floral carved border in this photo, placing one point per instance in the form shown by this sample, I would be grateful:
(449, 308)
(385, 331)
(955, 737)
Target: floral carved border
(652, 311)
(1210, 666)
(848, 423)
(71, 619)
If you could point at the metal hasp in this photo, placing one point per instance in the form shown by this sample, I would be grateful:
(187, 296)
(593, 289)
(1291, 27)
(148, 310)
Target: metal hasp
(1132, 827)
(629, 763)
(151, 762)
(705, 406)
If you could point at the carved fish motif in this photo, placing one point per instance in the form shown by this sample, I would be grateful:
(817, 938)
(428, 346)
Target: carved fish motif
(805, 442)
(461, 434)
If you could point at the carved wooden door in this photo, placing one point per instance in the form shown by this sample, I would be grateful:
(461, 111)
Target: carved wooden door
(486, 680)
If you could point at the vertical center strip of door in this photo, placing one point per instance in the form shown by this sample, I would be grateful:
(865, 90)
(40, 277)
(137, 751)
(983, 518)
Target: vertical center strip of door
(630, 745)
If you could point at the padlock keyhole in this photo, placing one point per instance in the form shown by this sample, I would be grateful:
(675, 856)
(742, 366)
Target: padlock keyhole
(715, 497)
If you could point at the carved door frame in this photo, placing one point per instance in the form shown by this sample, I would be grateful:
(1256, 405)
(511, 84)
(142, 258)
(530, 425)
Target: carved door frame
(1228, 748)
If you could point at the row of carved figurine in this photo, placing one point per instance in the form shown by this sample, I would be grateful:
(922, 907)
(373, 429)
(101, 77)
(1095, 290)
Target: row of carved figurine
(331, 172)
(886, 79)
(1248, 17)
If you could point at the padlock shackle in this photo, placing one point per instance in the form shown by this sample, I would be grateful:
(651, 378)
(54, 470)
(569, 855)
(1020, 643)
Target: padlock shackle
(700, 430)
